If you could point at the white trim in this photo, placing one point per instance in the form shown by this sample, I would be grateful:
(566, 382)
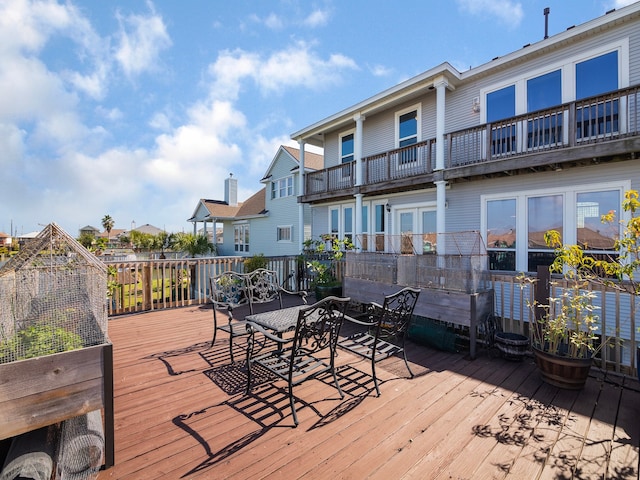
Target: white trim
(284, 227)
(341, 135)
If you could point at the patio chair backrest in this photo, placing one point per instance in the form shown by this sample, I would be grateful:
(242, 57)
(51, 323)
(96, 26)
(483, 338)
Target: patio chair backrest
(318, 327)
(229, 289)
(396, 312)
(262, 286)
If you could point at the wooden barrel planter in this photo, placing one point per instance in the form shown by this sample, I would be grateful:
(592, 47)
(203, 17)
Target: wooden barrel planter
(323, 291)
(563, 372)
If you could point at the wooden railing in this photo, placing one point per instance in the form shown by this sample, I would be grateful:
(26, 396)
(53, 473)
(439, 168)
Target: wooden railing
(146, 285)
(593, 120)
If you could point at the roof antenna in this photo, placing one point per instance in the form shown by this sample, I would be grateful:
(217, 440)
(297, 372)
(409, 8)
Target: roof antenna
(546, 22)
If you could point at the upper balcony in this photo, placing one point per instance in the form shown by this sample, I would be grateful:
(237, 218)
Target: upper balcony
(594, 129)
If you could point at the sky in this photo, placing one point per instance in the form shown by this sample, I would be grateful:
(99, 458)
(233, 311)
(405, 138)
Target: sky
(137, 109)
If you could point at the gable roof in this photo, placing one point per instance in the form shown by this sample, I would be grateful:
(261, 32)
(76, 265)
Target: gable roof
(254, 206)
(312, 161)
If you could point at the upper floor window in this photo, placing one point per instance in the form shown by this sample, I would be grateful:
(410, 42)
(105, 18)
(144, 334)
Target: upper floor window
(501, 103)
(408, 128)
(544, 91)
(346, 148)
(597, 75)
(407, 134)
(282, 188)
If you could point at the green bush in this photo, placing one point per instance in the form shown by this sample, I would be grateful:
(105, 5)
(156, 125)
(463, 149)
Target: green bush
(255, 262)
(37, 341)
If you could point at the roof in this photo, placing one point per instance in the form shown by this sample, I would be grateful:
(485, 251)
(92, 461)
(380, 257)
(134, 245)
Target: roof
(313, 161)
(253, 206)
(313, 134)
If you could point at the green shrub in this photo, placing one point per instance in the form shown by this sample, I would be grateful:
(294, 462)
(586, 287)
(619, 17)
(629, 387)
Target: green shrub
(37, 341)
(255, 262)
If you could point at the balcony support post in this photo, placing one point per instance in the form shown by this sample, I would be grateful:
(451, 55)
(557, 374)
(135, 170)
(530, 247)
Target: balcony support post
(301, 183)
(357, 147)
(441, 202)
(441, 85)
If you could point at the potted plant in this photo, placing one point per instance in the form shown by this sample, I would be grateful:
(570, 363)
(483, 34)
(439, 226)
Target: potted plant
(564, 338)
(323, 269)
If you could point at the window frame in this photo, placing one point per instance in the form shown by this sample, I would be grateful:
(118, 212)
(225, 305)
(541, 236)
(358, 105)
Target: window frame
(241, 231)
(284, 228)
(412, 154)
(569, 213)
(284, 184)
(345, 158)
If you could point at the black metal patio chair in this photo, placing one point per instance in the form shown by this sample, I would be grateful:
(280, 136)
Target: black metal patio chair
(310, 352)
(231, 290)
(386, 329)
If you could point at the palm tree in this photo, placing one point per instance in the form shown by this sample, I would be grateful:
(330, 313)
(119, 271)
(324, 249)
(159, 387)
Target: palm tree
(107, 224)
(193, 244)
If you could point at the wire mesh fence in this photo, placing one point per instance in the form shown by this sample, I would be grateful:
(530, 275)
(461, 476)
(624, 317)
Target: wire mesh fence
(52, 298)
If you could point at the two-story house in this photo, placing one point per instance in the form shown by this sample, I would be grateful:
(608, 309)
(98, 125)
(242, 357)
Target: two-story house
(270, 222)
(546, 137)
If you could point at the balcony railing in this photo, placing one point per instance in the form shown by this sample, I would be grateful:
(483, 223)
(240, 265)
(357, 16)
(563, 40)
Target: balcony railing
(598, 119)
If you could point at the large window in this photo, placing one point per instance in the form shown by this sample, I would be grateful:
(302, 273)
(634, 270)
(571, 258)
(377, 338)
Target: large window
(593, 77)
(501, 104)
(544, 213)
(501, 234)
(241, 237)
(515, 224)
(543, 92)
(282, 188)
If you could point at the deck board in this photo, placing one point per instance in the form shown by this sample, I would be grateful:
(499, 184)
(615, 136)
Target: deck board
(181, 412)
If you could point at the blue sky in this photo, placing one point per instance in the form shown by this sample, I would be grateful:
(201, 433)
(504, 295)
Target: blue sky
(137, 109)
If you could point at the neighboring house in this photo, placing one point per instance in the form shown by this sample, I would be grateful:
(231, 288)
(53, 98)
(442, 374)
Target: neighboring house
(89, 230)
(545, 137)
(5, 240)
(269, 221)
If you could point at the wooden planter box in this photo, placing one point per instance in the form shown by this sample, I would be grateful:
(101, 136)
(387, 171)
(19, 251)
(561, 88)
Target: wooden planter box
(46, 390)
(459, 308)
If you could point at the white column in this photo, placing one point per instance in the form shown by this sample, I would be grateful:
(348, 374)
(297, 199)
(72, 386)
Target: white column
(357, 147)
(301, 192)
(441, 85)
(441, 203)
(357, 241)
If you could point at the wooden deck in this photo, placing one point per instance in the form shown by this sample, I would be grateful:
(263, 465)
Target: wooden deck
(181, 412)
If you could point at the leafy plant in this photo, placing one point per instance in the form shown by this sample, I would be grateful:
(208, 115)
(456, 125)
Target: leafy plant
(255, 262)
(324, 269)
(36, 341)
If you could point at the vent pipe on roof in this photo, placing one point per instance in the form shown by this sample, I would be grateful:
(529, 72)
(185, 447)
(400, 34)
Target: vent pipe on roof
(546, 22)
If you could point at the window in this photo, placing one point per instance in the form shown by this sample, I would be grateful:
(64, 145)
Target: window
(543, 92)
(501, 104)
(379, 225)
(241, 237)
(543, 214)
(364, 244)
(346, 148)
(348, 223)
(501, 234)
(335, 221)
(282, 188)
(407, 128)
(514, 224)
(284, 233)
(429, 228)
(597, 75)
(593, 77)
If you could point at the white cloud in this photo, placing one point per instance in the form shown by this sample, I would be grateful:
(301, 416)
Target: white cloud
(141, 40)
(380, 70)
(623, 3)
(317, 18)
(508, 12)
(296, 66)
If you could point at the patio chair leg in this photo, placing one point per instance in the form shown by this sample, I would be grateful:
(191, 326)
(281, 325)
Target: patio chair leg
(404, 354)
(215, 331)
(373, 374)
(293, 406)
(231, 348)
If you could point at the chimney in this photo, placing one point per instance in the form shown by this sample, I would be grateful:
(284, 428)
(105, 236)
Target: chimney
(231, 191)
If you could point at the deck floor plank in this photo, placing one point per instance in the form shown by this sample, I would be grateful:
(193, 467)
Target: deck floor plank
(181, 412)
